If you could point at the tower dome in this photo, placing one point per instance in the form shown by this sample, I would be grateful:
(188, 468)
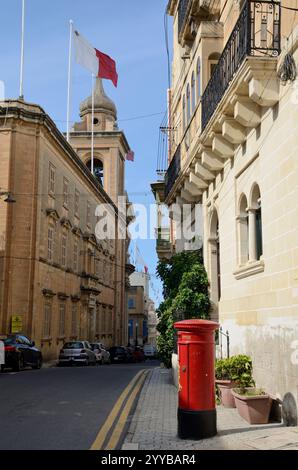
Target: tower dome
(102, 103)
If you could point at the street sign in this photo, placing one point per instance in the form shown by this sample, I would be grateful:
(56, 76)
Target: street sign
(16, 324)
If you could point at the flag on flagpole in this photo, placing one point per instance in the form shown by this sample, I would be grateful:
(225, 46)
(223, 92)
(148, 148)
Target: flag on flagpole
(98, 63)
(130, 156)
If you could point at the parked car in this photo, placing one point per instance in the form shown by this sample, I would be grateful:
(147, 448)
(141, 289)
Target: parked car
(119, 354)
(102, 355)
(138, 354)
(20, 352)
(149, 351)
(130, 352)
(77, 352)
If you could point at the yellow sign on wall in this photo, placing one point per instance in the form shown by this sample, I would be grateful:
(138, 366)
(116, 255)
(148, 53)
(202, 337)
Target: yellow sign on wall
(16, 324)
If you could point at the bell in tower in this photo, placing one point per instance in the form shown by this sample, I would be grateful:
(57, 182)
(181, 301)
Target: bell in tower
(110, 144)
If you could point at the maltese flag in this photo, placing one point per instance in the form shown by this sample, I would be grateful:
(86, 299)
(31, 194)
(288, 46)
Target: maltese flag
(98, 63)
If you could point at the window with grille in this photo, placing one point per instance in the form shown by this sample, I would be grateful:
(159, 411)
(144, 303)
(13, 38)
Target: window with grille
(47, 320)
(65, 192)
(77, 203)
(75, 256)
(50, 242)
(88, 213)
(74, 320)
(63, 250)
(52, 176)
(62, 309)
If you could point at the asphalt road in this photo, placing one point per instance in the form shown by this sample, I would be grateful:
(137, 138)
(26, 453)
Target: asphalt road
(59, 408)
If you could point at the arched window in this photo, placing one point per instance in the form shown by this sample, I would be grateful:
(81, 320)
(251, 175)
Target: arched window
(198, 79)
(98, 169)
(183, 113)
(188, 102)
(243, 231)
(193, 93)
(256, 215)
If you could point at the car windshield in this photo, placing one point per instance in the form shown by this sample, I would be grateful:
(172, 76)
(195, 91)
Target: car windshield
(75, 345)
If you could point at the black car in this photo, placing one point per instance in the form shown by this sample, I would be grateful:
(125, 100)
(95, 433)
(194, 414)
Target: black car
(118, 354)
(20, 352)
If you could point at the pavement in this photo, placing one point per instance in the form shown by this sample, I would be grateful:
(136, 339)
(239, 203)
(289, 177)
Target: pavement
(154, 424)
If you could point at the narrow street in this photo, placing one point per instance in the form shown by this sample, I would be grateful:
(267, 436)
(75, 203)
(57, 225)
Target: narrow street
(60, 408)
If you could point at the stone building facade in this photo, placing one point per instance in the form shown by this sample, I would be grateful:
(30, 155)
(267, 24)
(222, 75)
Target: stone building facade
(233, 147)
(56, 275)
(137, 315)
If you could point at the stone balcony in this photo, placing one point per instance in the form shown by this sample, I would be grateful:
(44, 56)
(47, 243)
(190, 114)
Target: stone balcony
(163, 243)
(244, 82)
(90, 284)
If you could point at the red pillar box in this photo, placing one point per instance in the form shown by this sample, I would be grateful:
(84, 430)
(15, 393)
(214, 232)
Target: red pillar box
(196, 353)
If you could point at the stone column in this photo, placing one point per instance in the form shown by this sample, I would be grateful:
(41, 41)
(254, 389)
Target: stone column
(242, 234)
(252, 235)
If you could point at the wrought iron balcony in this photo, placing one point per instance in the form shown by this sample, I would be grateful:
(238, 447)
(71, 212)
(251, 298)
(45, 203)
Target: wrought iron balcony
(173, 171)
(182, 13)
(256, 33)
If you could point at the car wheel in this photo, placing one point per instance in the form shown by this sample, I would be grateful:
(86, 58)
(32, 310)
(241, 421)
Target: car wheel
(19, 364)
(38, 364)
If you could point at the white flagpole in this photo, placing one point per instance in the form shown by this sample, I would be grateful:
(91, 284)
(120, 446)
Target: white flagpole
(92, 127)
(69, 79)
(22, 52)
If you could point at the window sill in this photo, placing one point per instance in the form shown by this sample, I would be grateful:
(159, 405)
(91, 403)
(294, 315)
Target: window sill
(249, 269)
(46, 339)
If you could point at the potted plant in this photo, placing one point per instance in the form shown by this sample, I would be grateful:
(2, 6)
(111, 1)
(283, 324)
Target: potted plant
(229, 373)
(252, 403)
(224, 382)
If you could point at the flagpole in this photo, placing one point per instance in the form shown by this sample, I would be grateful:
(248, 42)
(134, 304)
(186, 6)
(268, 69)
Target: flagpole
(22, 52)
(92, 127)
(69, 79)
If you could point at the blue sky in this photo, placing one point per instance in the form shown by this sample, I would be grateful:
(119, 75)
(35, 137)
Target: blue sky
(130, 31)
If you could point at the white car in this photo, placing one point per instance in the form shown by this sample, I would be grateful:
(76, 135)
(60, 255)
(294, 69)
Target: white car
(102, 355)
(149, 350)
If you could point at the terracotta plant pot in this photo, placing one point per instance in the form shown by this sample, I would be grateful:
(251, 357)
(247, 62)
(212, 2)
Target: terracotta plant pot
(255, 409)
(225, 387)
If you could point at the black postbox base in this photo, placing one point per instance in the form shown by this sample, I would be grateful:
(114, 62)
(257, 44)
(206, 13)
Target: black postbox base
(196, 424)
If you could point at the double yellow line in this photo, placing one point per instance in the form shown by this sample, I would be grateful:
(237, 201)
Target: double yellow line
(129, 395)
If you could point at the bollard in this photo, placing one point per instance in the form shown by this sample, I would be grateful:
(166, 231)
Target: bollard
(196, 354)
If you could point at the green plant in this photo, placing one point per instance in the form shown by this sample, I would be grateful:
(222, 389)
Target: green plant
(185, 287)
(237, 369)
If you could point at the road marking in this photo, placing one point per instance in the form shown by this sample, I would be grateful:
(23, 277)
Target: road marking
(101, 437)
(112, 444)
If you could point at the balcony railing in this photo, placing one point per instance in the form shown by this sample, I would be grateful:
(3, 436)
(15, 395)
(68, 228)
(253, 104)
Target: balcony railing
(173, 171)
(256, 33)
(182, 13)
